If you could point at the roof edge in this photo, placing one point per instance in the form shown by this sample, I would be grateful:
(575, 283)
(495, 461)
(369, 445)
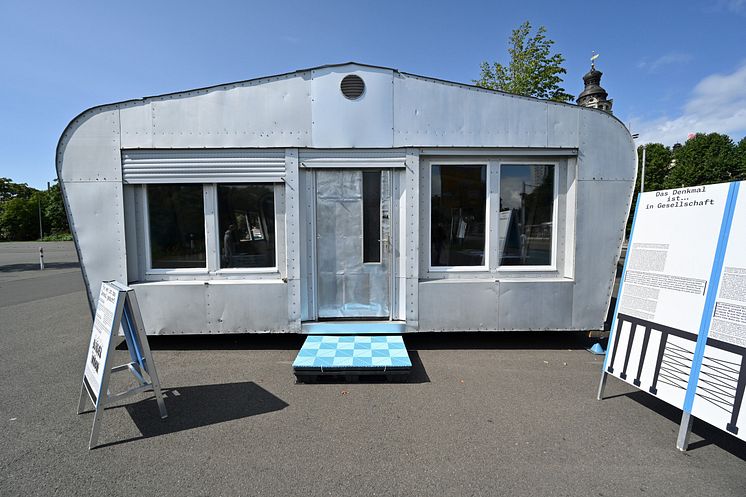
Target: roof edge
(102, 107)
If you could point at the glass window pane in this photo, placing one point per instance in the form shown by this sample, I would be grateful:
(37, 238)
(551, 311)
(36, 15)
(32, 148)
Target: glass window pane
(526, 213)
(458, 210)
(371, 216)
(246, 216)
(176, 218)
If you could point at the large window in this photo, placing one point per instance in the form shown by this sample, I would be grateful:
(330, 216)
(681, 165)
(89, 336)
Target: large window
(458, 198)
(176, 222)
(246, 215)
(526, 214)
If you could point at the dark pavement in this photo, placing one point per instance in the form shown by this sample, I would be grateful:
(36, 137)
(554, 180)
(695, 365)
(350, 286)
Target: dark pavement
(483, 414)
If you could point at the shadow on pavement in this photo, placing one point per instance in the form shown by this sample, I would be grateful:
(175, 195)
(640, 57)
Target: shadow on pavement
(245, 341)
(508, 340)
(15, 268)
(505, 340)
(202, 405)
(708, 433)
(416, 375)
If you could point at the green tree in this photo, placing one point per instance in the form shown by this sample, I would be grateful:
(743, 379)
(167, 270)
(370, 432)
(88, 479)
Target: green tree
(54, 212)
(658, 163)
(19, 211)
(19, 219)
(532, 71)
(741, 151)
(9, 190)
(705, 159)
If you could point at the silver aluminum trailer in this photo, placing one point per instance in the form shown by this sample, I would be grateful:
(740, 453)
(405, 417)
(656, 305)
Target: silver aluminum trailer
(350, 192)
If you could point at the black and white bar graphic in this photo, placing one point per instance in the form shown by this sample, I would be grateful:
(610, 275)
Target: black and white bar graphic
(721, 382)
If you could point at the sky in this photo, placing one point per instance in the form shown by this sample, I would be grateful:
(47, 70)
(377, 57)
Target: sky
(672, 67)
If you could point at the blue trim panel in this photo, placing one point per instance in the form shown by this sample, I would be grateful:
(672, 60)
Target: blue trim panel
(129, 328)
(353, 328)
(717, 269)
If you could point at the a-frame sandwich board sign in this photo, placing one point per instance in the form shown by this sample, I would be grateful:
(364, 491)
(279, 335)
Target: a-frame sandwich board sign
(117, 306)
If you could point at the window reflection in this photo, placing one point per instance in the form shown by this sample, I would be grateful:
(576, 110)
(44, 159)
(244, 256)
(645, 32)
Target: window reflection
(371, 216)
(526, 213)
(458, 210)
(177, 226)
(246, 215)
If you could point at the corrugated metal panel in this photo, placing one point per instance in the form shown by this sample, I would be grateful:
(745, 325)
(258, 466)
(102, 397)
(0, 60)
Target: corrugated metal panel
(271, 112)
(608, 152)
(198, 307)
(95, 209)
(381, 163)
(358, 158)
(499, 152)
(599, 230)
(202, 166)
(93, 154)
(338, 122)
(537, 305)
(464, 305)
(429, 114)
(136, 121)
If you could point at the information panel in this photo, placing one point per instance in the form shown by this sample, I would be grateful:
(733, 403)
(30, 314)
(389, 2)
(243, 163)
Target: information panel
(117, 308)
(679, 328)
(98, 349)
(720, 387)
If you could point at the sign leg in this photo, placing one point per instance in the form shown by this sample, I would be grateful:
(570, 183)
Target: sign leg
(684, 431)
(147, 355)
(155, 383)
(602, 385)
(82, 399)
(159, 399)
(96, 425)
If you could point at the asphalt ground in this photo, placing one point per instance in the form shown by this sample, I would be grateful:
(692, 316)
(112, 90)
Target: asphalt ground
(483, 414)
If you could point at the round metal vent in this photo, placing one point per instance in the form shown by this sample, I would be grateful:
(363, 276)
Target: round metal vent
(352, 86)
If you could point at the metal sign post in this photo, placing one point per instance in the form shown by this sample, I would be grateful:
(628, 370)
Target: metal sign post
(117, 306)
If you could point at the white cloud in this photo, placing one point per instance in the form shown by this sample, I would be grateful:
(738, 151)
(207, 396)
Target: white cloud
(511, 187)
(673, 58)
(717, 104)
(724, 6)
(735, 6)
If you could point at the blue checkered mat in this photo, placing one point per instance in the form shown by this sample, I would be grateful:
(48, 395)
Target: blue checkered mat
(326, 353)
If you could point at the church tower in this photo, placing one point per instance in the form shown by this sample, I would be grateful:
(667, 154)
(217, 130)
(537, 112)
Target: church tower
(593, 94)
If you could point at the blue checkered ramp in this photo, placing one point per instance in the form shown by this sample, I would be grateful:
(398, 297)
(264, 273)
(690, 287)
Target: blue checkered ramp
(349, 352)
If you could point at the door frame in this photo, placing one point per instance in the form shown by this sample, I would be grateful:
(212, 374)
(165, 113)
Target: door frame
(311, 241)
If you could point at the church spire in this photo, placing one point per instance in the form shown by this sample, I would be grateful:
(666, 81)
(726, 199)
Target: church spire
(593, 94)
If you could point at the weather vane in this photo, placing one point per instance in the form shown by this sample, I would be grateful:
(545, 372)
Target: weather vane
(593, 60)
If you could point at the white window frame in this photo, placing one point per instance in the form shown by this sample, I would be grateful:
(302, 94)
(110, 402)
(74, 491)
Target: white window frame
(555, 214)
(212, 241)
(276, 192)
(485, 267)
(149, 269)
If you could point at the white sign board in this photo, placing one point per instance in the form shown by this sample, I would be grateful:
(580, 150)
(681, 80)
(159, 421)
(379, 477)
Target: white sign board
(117, 307)
(98, 350)
(679, 328)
